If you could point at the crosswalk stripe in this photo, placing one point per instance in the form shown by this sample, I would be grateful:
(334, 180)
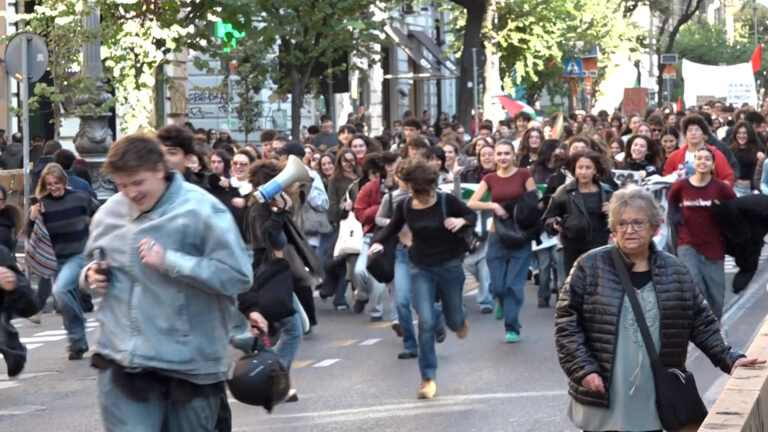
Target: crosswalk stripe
(369, 341)
(325, 363)
(298, 364)
(344, 342)
(33, 346)
(52, 333)
(41, 339)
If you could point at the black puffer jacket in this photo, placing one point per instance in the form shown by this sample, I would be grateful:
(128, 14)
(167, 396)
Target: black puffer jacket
(587, 320)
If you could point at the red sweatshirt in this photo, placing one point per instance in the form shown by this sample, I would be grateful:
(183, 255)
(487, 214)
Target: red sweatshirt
(367, 205)
(723, 170)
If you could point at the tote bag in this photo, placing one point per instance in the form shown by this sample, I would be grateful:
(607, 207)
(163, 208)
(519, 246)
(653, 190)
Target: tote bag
(350, 239)
(40, 257)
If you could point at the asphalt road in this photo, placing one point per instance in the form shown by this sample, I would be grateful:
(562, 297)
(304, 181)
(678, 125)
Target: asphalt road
(349, 379)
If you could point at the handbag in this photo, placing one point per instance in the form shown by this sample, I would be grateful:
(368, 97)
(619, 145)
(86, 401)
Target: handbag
(677, 399)
(314, 222)
(509, 233)
(40, 256)
(350, 239)
(382, 265)
(469, 237)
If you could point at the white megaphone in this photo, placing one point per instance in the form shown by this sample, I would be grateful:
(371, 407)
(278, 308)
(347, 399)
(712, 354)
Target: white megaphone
(294, 171)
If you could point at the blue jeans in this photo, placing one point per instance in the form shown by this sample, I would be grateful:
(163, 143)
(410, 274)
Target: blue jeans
(290, 336)
(67, 297)
(447, 280)
(708, 275)
(368, 288)
(121, 413)
(478, 267)
(403, 286)
(509, 271)
(547, 266)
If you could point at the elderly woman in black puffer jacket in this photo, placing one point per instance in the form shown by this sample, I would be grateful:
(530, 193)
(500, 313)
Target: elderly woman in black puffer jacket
(597, 337)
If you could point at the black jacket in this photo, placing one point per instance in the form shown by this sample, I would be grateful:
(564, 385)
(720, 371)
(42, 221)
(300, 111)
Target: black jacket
(588, 312)
(633, 165)
(12, 157)
(568, 205)
(20, 301)
(744, 224)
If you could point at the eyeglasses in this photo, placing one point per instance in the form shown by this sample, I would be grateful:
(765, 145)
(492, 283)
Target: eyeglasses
(637, 225)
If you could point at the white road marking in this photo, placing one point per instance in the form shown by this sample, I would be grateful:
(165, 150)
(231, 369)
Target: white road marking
(91, 324)
(52, 333)
(41, 339)
(325, 363)
(470, 293)
(33, 346)
(440, 404)
(369, 341)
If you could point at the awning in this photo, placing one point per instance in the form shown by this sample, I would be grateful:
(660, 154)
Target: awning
(402, 41)
(434, 49)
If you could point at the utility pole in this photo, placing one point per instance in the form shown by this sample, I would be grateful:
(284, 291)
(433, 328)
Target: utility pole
(474, 93)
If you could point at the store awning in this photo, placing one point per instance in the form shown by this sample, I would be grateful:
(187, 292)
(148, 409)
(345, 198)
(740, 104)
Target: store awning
(434, 49)
(402, 41)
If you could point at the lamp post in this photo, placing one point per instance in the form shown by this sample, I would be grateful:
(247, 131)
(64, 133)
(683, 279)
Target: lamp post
(94, 138)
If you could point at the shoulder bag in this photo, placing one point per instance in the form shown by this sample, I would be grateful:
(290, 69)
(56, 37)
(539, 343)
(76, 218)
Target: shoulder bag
(40, 256)
(469, 237)
(382, 265)
(677, 399)
(350, 239)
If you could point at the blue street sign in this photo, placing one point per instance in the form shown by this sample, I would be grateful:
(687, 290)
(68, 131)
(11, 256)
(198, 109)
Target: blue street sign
(573, 68)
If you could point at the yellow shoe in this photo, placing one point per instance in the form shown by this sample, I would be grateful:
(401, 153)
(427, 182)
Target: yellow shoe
(428, 389)
(462, 333)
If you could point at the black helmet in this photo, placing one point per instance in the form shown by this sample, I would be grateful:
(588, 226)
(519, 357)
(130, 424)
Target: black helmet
(260, 379)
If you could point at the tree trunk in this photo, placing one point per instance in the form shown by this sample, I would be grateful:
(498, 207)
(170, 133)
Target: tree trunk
(475, 14)
(297, 101)
(492, 109)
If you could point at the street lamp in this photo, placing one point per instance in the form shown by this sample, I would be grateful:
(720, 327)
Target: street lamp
(94, 137)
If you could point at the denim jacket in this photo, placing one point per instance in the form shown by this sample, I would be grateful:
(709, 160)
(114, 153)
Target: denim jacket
(177, 319)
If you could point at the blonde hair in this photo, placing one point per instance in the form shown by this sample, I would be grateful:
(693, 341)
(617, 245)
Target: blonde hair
(52, 169)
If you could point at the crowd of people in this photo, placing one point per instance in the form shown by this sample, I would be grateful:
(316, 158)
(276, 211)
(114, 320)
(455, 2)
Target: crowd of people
(522, 199)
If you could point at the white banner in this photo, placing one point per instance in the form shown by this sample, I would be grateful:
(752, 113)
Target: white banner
(736, 83)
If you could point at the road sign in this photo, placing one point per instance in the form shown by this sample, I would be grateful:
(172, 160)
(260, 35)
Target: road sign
(668, 58)
(37, 54)
(669, 76)
(573, 68)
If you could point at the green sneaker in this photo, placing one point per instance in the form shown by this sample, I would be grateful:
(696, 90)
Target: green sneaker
(498, 311)
(512, 337)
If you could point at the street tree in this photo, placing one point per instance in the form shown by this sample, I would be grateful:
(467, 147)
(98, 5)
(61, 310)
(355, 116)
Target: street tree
(469, 21)
(306, 34)
(672, 17)
(60, 23)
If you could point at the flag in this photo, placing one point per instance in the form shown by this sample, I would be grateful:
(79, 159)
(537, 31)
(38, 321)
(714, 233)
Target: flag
(757, 59)
(679, 104)
(557, 129)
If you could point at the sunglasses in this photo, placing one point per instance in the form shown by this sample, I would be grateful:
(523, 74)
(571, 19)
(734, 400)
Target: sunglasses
(656, 130)
(351, 161)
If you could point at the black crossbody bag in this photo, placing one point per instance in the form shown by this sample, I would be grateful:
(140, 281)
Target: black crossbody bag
(677, 398)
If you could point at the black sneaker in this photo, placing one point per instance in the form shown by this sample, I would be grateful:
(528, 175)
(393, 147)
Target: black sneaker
(439, 335)
(292, 396)
(543, 303)
(77, 354)
(407, 355)
(359, 306)
(536, 278)
(15, 361)
(485, 310)
(376, 319)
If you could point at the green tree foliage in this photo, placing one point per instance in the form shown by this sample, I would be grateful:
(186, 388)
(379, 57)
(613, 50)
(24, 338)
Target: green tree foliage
(702, 42)
(60, 23)
(309, 33)
(534, 38)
